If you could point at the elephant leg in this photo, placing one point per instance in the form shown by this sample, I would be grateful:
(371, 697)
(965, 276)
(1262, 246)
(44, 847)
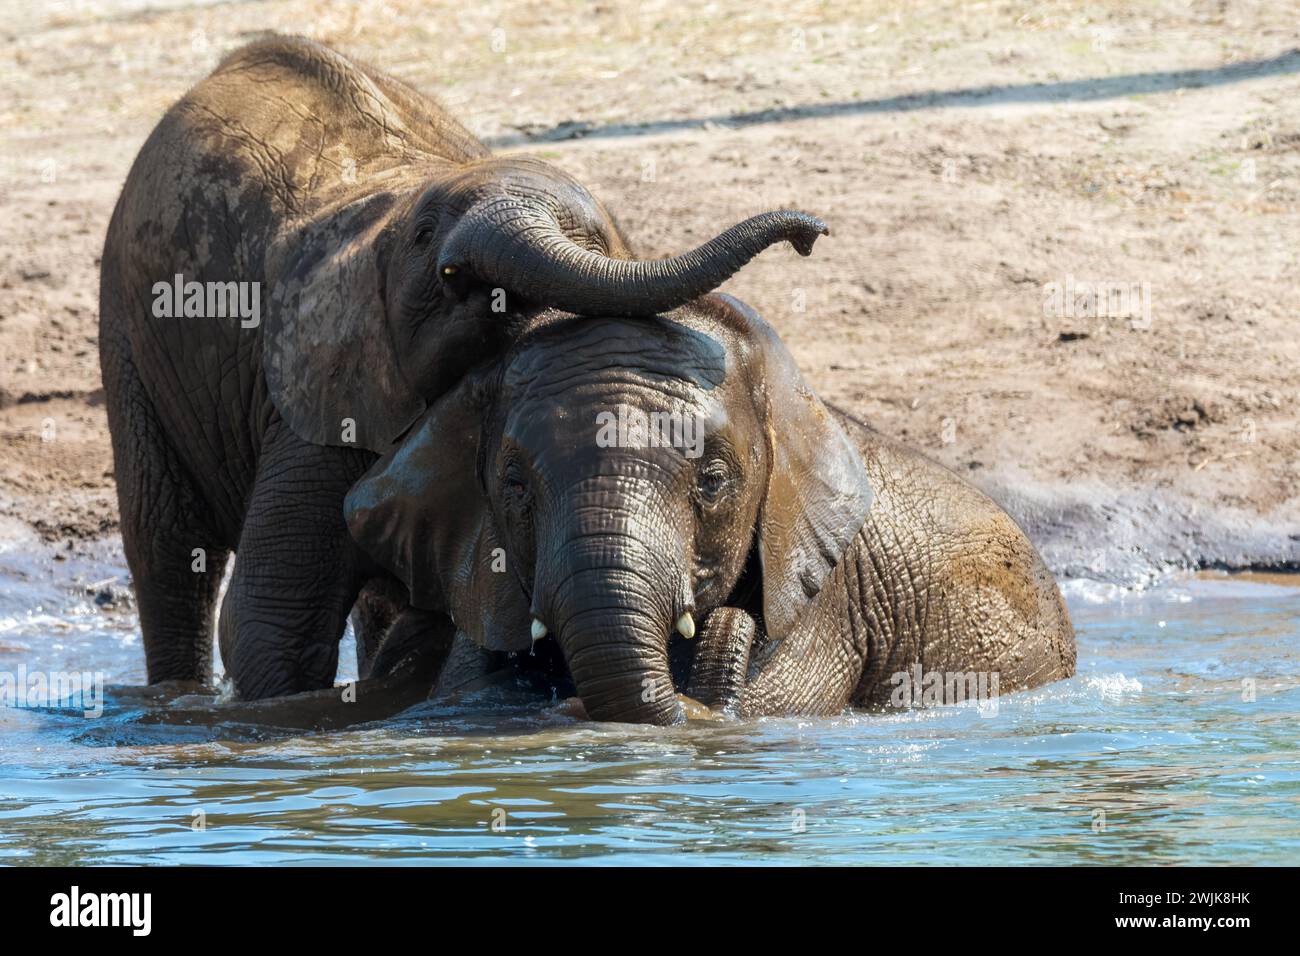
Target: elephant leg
(468, 667)
(415, 633)
(722, 658)
(177, 559)
(297, 572)
(378, 605)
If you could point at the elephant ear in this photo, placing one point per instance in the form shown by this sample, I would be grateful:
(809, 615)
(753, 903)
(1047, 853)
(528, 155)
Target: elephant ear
(419, 512)
(326, 349)
(817, 495)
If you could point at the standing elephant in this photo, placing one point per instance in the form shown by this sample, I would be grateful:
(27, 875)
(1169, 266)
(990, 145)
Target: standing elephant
(377, 238)
(821, 558)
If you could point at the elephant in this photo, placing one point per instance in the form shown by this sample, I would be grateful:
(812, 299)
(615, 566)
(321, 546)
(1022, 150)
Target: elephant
(821, 558)
(388, 250)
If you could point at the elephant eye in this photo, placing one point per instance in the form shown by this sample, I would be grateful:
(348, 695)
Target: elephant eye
(514, 484)
(713, 481)
(424, 236)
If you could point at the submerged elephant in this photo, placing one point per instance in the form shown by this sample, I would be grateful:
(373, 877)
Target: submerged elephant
(820, 557)
(365, 240)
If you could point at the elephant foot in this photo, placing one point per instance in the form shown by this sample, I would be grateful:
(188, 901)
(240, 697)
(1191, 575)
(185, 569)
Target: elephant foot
(722, 658)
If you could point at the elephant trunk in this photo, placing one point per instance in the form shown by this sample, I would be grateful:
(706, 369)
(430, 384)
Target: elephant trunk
(520, 246)
(618, 659)
(612, 625)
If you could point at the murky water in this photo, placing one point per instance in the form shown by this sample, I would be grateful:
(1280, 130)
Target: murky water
(1155, 753)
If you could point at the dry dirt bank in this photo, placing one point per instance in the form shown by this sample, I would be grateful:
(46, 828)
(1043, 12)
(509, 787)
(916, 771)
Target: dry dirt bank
(967, 155)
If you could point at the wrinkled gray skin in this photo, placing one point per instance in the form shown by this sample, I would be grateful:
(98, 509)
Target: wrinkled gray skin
(820, 557)
(383, 236)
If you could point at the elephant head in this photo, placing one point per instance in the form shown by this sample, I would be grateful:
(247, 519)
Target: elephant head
(633, 475)
(382, 299)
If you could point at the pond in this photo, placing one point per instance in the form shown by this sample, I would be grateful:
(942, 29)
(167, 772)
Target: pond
(1178, 742)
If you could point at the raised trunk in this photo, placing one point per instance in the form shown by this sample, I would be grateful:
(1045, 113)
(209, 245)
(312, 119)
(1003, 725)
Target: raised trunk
(519, 246)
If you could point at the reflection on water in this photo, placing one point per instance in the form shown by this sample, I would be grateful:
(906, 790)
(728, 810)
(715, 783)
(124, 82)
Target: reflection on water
(1153, 754)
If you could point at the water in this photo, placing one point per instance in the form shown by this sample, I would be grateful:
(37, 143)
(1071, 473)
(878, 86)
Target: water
(1149, 756)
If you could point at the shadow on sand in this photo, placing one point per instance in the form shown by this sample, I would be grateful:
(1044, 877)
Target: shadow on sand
(1098, 88)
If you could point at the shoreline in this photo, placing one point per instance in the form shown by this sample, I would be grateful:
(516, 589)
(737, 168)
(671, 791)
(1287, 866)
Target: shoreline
(1133, 539)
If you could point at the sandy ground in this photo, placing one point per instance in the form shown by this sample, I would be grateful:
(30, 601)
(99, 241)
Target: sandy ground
(966, 155)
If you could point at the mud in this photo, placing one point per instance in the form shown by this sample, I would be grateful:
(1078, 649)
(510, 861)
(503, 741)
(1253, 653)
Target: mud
(967, 157)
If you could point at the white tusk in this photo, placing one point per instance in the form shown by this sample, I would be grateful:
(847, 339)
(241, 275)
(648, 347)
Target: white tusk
(686, 626)
(539, 630)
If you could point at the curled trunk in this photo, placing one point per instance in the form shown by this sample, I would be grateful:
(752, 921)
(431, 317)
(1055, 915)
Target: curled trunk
(521, 247)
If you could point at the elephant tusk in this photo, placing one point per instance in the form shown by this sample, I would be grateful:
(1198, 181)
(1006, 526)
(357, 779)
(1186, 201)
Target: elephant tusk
(686, 626)
(539, 630)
